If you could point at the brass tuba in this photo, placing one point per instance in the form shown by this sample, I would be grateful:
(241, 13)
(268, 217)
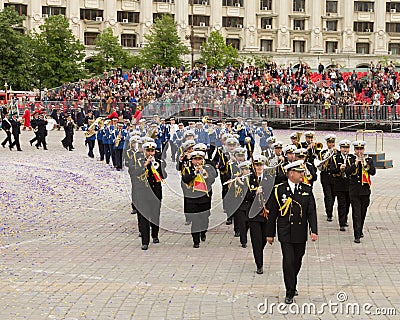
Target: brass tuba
(90, 131)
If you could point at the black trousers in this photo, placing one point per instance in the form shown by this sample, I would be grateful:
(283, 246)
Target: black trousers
(91, 147)
(145, 229)
(359, 207)
(173, 150)
(34, 139)
(199, 225)
(343, 206)
(107, 152)
(7, 139)
(164, 148)
(101, 149)
(41, 140)
(210, 151)
(258, 235)
(16, 142)
(292, 256)
(118, 158)
(241, 224)
(329, 195)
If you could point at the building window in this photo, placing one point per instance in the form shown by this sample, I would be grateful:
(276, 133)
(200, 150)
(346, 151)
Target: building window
(266, 22)
(331, 47)
(201, 2)
(363, 26)
(198, 42)
(235, 43)
(394, 48)
(21, 9)
(299, 24)
(90, 37)
(266, 45)
(232, 3)
(232, 22)
(53, 11)
(89, 14)
(362, 48)
(199, 21)
(128, 40)
(128, 16)
(265, 4)
(392, 27)
(331, 6)
(299, 5)
(363, 6)
(160, 15)
(164, 1)
(331, 25)
(299, 46)
(393, 7)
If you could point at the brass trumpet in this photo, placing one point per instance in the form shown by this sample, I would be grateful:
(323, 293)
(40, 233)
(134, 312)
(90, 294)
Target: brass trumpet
(363, 159)
(200, 170)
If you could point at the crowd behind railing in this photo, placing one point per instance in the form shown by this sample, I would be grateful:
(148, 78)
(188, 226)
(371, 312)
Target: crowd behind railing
(271, 91)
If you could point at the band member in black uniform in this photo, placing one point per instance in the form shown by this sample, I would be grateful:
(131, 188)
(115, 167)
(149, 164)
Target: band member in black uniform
(35, 116)
(292, 208)
(268, 150)
(240, 200)
(310, 173)
(260, 184)
(341, 182)
(278, 160)
(182, 162)
(359, 171)
(312, 147)
(295, 139)
(149, 173)
(223, 160)
(198, 179)
(69, 134)
(325, 160)
(41, 132)
(16, 131)
(6, 126)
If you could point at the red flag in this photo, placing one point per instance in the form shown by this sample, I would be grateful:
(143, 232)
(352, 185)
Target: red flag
(156, 175)
(199, 184)
(365, 178)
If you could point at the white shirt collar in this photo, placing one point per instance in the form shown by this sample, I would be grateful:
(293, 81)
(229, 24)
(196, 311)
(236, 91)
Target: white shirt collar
(292, 185)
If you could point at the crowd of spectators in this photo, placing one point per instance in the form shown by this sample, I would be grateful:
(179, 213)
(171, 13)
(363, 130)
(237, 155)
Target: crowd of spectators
(269, 91)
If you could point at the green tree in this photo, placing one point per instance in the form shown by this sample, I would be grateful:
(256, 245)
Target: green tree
(58, 54)
(110, 53)
(215, 53)
(16, 66)
(164, 47)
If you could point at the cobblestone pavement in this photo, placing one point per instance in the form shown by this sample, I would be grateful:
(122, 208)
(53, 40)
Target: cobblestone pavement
(70, 250)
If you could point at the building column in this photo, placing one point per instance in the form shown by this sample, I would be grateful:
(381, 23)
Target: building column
(250, 41)
(349, 45)
(316, 39)
(380, 29)
(284, 8)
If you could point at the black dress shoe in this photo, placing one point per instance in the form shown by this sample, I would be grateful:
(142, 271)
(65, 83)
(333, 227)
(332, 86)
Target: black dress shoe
(196, 245)
(362, 235)
(329, 219)
(342, 228)
(260, 271)
(228, 222)
(346, 224)
(156, 240)
(289, 300)
(3, 145)
(357, 241)
(203, 237)
(19, 149)
(237, 233)
(30, 142)
(10, 147)
(296, 293)
(244, 245)
(140, 234)
(145, 246)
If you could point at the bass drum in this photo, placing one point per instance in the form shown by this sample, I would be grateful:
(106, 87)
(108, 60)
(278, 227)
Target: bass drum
(51, 124)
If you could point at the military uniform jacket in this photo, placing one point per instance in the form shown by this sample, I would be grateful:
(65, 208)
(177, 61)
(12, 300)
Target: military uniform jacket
(292, 214)
(259, 200)
(6, 125)
(144, 180)
(326, 175)
(221, 161)
(15, 127)
(340, 178)
(356, 184)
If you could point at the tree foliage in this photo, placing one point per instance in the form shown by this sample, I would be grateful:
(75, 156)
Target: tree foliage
(110, 53)
(215, 53)
(164, 46)
(15, 51)
(58, 54)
